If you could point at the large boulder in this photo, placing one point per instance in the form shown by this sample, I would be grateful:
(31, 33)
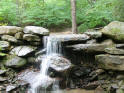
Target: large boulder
(112, 62)
(36, 30)
(4, 45)
(9, 30)
(22, 50)
(114, 30)
(14, 61)
(30, 37)
(9, 38)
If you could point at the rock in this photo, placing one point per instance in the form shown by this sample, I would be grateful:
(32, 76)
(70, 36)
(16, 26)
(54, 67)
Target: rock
(22, 50)
(9, 38)
(2, 79)
(19, 35)
(31, 59)
(2, 72)
(120, 91)
(30, 37)
(58, 63)
(120, 77)
(35, 43)
(94, 34)
(93, 41)
(14, 61)
(92, 48)
(69, 38)
(114, 30)
(4, 45)
(112, 62)
(121, 46)
(99, 90)
(114, 50)
(9, 88)
(36, 30)
(9, 30)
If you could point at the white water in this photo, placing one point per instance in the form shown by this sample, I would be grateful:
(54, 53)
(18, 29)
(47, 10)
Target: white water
(42, 80)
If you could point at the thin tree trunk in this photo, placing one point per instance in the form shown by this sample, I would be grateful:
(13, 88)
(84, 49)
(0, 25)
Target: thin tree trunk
(74, 25)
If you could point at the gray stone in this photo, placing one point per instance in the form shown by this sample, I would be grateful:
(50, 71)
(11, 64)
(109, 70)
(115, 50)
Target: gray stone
(59, 63)
(4, 45)
(14, 61)
(114, 50)
(2, 79)
(9, 30)
(92, 48)
(121, 46)
(114, 30)
(89, 48)
(2, 72)
(30, 37)
(9, 38)
(92, 41)
(19, 35)
(69, 37)
(36, 30)
(94, 34)
(22, 50)
(112, 62)
(31, 59)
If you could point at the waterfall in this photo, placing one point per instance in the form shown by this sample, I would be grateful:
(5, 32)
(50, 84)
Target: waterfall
(42, 80)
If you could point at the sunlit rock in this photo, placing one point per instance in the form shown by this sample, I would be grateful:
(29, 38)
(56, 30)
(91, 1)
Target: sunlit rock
(30, 37)
(9, 30)
(4, 45)
(9, 38)
(36, 30)
(22, 50)
(114, 30)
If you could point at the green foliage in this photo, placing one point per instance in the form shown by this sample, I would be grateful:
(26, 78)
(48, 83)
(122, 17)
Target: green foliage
(96, 14)
(119, 9)
(56, 13)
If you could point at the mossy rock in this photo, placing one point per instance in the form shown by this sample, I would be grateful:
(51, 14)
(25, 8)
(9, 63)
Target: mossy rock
(114, 30)
(14, 61)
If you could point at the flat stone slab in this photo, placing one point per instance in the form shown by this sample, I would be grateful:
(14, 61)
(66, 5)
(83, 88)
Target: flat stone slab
(36, 30)
(9, 30)
(113, 62)
(30, 37)
(69, 37)
(94, 34)
(22, 50)
(9, 38)
(114, 50)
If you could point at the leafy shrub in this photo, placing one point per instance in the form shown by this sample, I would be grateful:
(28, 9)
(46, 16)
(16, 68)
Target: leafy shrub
(56, 13)
(96, 15)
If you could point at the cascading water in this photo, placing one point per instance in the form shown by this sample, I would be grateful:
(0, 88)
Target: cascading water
(42, 80)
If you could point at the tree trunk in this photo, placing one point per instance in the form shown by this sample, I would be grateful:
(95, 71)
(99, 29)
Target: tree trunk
(74, 25)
